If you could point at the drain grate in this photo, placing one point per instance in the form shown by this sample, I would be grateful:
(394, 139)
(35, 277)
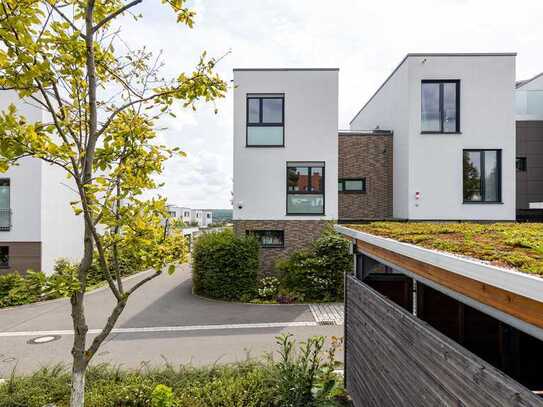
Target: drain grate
(327, 323)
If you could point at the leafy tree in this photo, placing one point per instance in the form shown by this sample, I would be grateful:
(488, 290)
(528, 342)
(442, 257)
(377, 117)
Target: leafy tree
(102, 100)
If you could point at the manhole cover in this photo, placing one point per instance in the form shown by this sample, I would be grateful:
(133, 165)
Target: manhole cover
(43, 339)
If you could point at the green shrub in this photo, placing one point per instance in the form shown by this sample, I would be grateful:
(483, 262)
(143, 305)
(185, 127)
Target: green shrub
(300, 378)
(16, 289)
(317, 273)
(225, 266)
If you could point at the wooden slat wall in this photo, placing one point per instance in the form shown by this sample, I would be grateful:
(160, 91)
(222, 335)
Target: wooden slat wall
(394, 359)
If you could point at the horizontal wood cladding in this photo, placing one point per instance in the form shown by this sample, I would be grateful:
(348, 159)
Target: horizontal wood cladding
(520, 307)
(394, 359)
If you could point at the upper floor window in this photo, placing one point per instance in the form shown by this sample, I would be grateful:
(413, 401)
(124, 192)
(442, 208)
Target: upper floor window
(187, 214)
(352, 185)
(482, 176)
(5, 211)
(440, 106)
(208, 215)
(305, 188)
(265, 120)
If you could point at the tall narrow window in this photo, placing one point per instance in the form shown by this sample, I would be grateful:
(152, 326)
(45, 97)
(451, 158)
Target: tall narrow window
(265, 120)
(5, 210)
(305, 188)
(521, 164)
(482, 176)
(4, 257)
(440, 106)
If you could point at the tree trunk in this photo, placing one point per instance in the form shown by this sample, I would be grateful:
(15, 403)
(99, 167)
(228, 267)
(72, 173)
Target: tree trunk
(77, 398)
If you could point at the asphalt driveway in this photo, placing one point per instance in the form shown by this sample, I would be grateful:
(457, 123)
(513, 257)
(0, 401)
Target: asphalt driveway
(165, 301)
(162, 321)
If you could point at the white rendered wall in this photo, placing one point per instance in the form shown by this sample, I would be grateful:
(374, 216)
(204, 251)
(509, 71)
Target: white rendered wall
(487, 121)
(25, 184)
(39, 200)
(62, 230)
(310, 134)
(388, 110)
(432, 163)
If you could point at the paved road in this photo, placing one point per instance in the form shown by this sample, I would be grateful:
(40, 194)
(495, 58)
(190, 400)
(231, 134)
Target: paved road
(163, 321)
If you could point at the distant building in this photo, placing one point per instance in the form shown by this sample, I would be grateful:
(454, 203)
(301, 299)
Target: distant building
(37, 224)
(191, 217)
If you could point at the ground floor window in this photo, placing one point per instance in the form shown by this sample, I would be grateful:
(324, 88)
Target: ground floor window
(353, 185)
(269, 238)
(4, 256)
(482, 176)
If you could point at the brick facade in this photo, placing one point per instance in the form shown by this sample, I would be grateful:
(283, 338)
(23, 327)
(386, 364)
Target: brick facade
(298, 234)
(369, 156)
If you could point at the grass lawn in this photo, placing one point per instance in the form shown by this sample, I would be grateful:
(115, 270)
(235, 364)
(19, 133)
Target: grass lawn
(510, 245)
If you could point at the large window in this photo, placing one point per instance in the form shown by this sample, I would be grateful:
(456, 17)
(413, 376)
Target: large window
(305, 188)
(352, 185)
(265, 120)
(269, 238)
(5, 211)
(482, 176)
(440, 106)
(4, 257)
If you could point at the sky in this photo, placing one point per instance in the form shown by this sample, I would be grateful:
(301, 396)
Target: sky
(365, 39)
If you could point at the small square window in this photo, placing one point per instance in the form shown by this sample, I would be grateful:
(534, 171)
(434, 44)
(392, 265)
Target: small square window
(521, 164)
(269, 238)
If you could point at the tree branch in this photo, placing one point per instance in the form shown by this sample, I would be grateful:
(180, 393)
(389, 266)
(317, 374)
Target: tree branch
(65, 18)
(115, 14)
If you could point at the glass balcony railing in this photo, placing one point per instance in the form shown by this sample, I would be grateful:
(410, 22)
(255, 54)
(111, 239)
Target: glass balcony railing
(5, 219)
(529, 103)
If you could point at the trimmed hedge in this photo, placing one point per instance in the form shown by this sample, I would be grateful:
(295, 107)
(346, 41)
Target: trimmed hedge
(225, 266)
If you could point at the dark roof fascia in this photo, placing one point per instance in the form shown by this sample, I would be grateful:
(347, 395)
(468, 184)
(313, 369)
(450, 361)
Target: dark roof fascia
(284, 69)
(503, 54)
(520, 84)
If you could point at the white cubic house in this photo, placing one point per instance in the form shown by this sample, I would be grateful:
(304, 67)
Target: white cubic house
(37, 224)
(285, 156)
(196, 217)
(453, 123)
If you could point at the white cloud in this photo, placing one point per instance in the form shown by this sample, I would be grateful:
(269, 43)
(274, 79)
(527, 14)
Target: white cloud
(365, 39)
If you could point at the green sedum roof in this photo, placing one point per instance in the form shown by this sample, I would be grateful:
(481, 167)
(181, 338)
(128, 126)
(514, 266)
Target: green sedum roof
(511, 245)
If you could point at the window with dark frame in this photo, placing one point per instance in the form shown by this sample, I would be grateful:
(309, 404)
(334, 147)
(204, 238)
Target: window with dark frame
(521, 164)
(4, 257)
(265, 120)
(305, 188)
(5, 204)
(269, 238)
(440, 106)
(352, 185)
(482, 176)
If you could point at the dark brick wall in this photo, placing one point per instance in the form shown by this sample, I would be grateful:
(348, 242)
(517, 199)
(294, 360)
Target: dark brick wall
(530, 145)
(23, 256)
(298, 234)
(366, 156)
